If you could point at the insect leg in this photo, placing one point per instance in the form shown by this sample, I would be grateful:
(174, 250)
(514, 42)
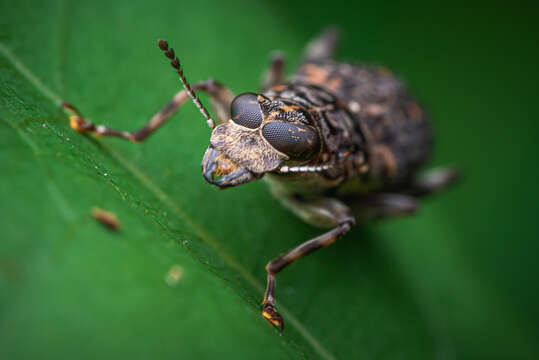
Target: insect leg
(382, 205)
(220, 95)
(275, 74)
(322, 47)
(324, 212)
(433, 181)
(269, 311)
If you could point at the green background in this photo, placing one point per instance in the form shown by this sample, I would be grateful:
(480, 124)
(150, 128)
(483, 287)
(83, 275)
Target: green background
(456, 281)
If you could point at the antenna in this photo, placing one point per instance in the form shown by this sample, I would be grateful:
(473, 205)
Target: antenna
(169, 52)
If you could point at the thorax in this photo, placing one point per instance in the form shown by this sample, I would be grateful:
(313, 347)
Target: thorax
(374, 133)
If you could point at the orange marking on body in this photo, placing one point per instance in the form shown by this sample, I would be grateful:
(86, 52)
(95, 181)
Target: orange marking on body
(288, 108)
(316, 74)
(279, 88)
(334, 84)
(272, 115)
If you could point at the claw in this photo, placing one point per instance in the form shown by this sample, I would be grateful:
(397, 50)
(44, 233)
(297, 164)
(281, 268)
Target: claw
(76, 120)
(76, 123)
(269, 313)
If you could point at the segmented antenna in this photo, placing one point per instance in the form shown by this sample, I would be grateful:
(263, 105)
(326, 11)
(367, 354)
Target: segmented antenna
(175, 62)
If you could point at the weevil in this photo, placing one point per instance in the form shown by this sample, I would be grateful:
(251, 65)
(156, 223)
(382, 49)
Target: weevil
(338, 144)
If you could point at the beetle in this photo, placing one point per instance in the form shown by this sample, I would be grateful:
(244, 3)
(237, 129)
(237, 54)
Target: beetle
(338, 143)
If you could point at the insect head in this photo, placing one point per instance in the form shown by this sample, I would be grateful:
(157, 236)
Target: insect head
(260, 136)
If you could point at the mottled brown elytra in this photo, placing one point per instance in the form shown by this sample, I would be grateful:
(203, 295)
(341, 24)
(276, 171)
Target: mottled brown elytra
(337, 143)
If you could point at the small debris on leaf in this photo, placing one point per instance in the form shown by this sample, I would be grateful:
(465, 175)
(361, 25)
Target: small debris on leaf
(174, 275)
(106, 218)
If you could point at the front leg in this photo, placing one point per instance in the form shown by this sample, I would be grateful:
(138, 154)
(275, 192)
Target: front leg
(220, 96)
(325, 212)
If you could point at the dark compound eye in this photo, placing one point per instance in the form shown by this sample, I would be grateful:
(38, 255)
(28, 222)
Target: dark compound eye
(245, 111)
(300, 142)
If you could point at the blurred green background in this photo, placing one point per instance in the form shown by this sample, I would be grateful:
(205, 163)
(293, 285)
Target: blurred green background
(456, 281)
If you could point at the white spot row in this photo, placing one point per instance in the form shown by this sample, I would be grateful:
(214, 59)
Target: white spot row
(286, 169)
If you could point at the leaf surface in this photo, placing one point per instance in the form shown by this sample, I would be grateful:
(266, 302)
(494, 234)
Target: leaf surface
(185, 275)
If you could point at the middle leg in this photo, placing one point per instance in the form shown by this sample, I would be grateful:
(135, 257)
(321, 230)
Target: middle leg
(324, 212)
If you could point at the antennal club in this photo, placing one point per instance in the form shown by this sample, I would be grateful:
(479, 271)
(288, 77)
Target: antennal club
(175, 62)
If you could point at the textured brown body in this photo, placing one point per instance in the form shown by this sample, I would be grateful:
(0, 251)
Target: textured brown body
(374, 131)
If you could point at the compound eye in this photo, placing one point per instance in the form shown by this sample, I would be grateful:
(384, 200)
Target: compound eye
(300, 142)
(245, 111)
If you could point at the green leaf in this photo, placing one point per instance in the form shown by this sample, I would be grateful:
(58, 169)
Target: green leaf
(185, 275)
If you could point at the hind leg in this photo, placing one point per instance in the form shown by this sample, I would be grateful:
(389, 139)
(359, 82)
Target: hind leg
(382, 205)
(322, 47)
(405, 202)
(433, 181)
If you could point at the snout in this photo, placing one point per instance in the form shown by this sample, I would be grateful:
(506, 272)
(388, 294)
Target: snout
(220, 170)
